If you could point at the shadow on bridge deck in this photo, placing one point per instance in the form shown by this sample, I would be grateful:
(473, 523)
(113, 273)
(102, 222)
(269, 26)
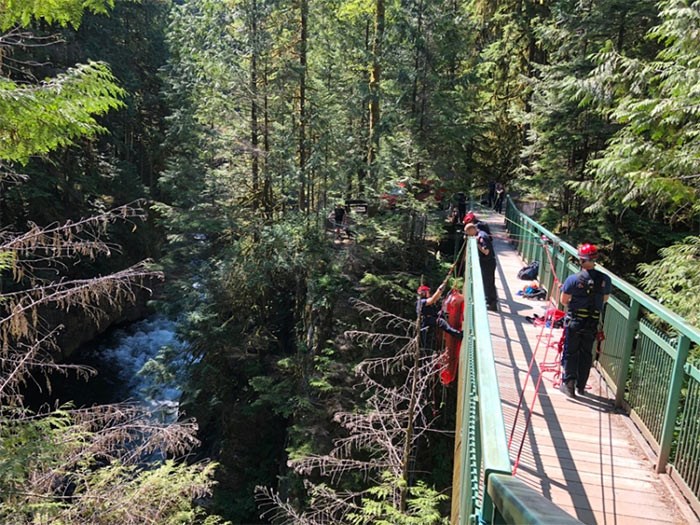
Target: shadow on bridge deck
(582, 454)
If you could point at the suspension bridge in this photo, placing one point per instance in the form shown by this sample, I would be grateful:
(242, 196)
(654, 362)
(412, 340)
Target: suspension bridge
(627, 451)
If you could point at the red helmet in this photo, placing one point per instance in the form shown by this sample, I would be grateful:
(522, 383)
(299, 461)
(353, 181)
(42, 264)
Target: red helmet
(469, 217)
(588, 252)
(423, 288)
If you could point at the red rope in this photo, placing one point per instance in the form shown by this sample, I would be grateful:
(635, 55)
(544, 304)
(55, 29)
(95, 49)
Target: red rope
(544, 367)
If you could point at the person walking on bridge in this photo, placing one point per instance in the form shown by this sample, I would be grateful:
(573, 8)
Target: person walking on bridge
(584, 295)
(340, 220)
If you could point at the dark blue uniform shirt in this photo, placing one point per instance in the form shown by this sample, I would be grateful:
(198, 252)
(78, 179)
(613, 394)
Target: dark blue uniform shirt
(587, 289)
(484, 240)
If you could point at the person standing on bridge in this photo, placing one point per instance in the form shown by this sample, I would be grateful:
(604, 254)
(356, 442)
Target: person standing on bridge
(584, 295)
(487, 262)
(461, 205)
(500, 195)
(480, 225)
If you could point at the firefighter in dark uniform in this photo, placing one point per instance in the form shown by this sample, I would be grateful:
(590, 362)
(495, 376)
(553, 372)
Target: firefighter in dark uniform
(584, 295)
(428, 310)
(487, 262)
(480, 225)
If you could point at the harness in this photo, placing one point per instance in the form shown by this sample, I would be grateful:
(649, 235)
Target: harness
(589, 312)
(585, 313)
(428, 313)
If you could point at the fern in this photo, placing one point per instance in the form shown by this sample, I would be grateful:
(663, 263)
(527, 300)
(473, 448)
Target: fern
(60, 12)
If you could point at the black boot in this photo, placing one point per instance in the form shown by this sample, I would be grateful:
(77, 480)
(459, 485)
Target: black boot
(567, 387)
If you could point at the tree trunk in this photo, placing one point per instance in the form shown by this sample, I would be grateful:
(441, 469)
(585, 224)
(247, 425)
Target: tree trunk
(303, 44)
(267, 184)
(374, 86)
(255, 166)
(417, 60)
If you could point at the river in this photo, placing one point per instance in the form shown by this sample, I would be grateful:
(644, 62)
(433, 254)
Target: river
(142, 362)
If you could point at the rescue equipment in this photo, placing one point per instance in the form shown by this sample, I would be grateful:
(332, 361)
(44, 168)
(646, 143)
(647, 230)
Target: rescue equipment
(529, 272)
(453, 311)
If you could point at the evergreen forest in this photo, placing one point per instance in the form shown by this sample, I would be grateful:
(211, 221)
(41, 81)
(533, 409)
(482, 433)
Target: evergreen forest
(186, 157)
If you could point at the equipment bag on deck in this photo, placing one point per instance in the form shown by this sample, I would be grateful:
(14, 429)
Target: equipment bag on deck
(529, 272)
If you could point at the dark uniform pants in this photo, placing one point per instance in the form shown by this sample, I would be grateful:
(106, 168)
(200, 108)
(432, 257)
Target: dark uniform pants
(488, 274)
(577, 356)
(440, 322)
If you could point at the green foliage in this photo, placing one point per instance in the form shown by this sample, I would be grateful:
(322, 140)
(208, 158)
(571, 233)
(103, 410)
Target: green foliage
(350, 9)
(61, 12)
(386, 290)
(163, 494)
(99, 464)
(55, 468)
(7, 260)
(36, 120)
(566, 129)
(280, 395)
(378, 506)
(652, 160)
(675, 279)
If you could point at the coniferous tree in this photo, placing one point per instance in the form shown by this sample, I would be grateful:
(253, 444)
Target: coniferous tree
(650, 165)
(507, 49)
(379, 443)
(566, 132)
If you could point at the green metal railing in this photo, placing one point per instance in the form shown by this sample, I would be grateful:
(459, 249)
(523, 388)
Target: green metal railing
(483, 489)
(644, 358)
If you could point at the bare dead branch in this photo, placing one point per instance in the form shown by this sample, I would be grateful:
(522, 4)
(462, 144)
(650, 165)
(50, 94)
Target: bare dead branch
(376, 441)
(42, 245)
(19, 309)
(381, 318)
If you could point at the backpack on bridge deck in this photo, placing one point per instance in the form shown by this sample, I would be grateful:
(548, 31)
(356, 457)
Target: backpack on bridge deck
(529, 272)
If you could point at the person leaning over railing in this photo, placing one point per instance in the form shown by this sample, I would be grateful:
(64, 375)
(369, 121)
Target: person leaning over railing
(487, 262)
(584, 295)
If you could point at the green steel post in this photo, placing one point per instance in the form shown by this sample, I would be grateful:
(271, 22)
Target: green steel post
(530, 248)
(630, 331)
(521, 237)
(674, 396)
(549, 254)
(561, 258)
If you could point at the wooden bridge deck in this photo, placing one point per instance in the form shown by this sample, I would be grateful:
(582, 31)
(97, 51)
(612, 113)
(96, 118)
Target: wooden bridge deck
(582, 454)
